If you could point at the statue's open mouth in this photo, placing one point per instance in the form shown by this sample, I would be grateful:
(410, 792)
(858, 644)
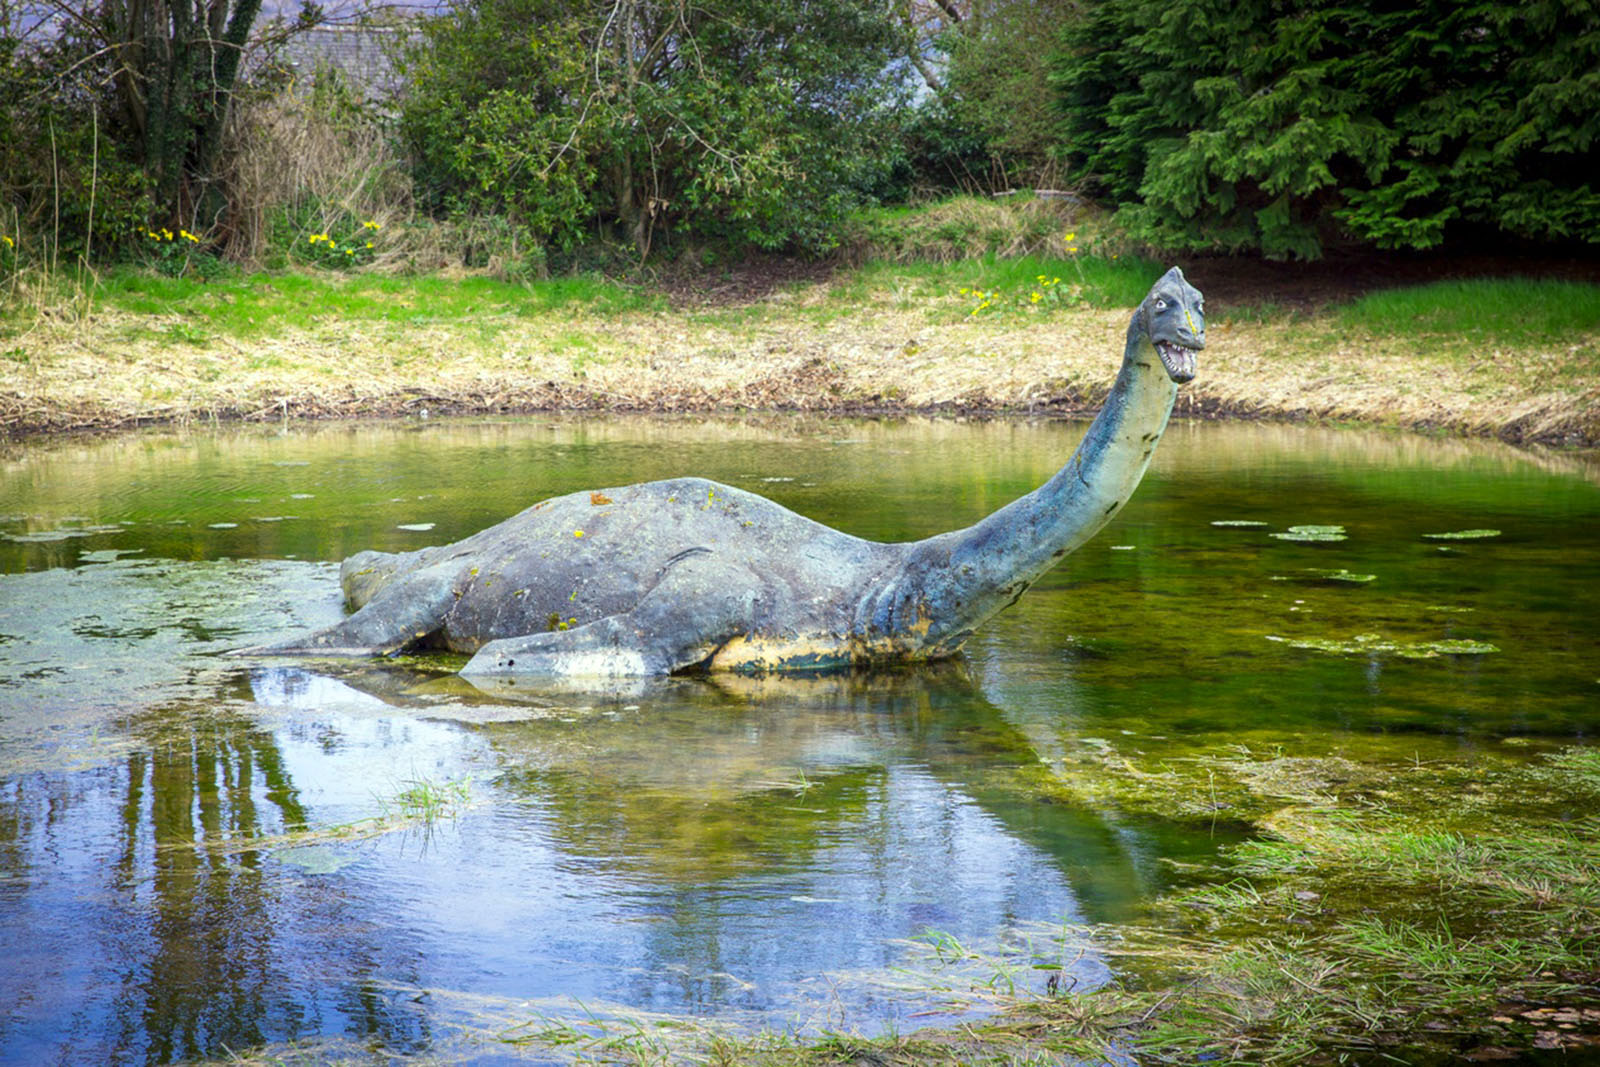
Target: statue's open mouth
(1178, 360)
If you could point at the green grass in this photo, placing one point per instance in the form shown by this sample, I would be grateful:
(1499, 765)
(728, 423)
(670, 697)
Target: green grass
(1513, 311)
(253, 305)
(1102, 281)
(426, 801)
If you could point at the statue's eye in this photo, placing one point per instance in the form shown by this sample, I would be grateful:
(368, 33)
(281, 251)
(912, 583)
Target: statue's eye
(1161, 305)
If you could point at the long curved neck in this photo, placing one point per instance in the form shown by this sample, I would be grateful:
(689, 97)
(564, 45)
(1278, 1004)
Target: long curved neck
(951, 583)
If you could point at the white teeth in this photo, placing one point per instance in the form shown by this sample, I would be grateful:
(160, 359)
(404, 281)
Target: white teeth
(1179, 361)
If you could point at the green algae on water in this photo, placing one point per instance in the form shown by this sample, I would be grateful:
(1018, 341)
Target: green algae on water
(1377, 644)
(1312, 533)
(1462, 535)
(1243, 524)
(1335, 575)
(314, 859)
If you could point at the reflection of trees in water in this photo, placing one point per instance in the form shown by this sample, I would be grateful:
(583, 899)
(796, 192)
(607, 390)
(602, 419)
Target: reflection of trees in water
(167, 936)
(210, 970)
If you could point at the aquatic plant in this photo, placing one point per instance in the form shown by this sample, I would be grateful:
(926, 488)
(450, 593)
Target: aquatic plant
(1336, 575)
(1312, 533)
(1462, 535)
(425, 800)
(1376, 644)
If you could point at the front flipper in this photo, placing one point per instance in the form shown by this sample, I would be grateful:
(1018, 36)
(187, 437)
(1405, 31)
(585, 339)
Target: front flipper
(402, 613)
(689, 614)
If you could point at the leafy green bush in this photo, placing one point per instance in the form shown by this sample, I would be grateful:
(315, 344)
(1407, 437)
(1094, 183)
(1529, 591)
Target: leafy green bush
(938, 150)
(66, 188)
(996, 86)
(1277, 126)
(753, 124)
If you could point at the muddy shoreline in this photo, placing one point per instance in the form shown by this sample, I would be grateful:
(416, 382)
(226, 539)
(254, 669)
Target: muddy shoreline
(20, 424)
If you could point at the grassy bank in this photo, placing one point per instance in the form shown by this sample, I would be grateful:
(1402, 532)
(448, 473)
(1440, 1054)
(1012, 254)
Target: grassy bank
(1491, 357)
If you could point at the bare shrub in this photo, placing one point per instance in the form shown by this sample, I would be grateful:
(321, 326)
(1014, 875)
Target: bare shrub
(968, 227)
(300, 163)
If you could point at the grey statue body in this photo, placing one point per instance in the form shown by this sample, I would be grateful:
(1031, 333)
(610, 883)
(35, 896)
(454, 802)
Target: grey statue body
(690, 574)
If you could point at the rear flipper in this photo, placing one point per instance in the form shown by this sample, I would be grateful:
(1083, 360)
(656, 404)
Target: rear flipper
(401, 614)
(689, 614)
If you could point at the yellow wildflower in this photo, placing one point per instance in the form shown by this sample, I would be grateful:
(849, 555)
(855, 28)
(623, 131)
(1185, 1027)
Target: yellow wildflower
(9, 242)
(577, 533)
(1037, 296)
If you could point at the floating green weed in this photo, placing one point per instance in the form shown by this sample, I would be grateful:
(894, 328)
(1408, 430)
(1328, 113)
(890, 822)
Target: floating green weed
(1335, 575)
(1376, 644)
(1244, 524)
(314, 859)
(1462, 535)
(1312, 533)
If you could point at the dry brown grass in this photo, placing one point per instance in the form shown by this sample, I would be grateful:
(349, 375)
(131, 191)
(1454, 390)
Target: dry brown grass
(968, 227)
(301, 156)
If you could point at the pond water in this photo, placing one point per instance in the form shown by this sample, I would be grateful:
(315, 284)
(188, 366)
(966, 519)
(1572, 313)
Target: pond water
(201, 853)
